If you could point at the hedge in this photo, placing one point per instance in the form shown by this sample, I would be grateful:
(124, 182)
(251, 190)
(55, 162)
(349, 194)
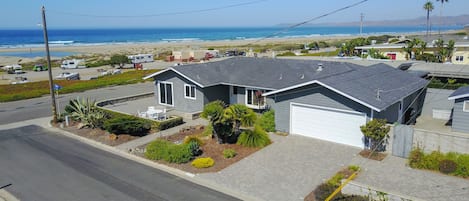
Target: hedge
(438, 161)
(168, 151)
(127, 125)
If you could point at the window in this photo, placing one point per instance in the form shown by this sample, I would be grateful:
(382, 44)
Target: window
(465, 106)
(189, 91)
(235, 90)
(459, 58)
(254, 98)
(166, 93)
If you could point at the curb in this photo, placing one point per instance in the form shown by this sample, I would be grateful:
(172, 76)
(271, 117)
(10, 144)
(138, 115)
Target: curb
(176, 172)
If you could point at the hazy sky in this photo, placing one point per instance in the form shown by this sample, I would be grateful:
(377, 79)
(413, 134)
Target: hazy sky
(26, 13)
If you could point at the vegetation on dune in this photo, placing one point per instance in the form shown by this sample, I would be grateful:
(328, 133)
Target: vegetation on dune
(37, 89)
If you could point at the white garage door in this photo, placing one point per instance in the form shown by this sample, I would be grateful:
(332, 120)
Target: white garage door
(327, 124)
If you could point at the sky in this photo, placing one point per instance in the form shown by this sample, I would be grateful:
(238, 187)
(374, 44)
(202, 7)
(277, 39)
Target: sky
(261, 13)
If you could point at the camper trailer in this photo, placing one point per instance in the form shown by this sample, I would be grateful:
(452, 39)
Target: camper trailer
(73, 63)
(141, 58)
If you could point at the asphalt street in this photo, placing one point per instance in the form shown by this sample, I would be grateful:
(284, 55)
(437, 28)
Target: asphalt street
(17, 111)
(41, 165)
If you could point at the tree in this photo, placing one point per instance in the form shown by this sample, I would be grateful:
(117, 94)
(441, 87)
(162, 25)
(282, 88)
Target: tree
(428, 6)
(414, 48)
(239, 115)
(119, 59)
(349, 47)
(441, 12)
(213, 112)
(376, 131)
(443, 51)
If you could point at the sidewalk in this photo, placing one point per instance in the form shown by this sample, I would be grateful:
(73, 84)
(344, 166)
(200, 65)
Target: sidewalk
(131, 145)
(393, 175)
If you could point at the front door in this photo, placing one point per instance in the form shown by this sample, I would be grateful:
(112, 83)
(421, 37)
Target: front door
(233, 95)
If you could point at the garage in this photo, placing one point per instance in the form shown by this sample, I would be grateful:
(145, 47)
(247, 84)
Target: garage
(329, 124)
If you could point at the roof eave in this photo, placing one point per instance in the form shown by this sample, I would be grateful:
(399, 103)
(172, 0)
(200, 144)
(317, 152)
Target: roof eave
(177, 72)
(458, 96)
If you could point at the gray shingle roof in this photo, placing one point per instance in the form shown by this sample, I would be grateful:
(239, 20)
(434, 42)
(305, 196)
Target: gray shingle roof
(355, 81)
(461, 92)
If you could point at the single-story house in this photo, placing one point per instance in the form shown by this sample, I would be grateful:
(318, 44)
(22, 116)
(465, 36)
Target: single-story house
(460, 114)
(320, 99)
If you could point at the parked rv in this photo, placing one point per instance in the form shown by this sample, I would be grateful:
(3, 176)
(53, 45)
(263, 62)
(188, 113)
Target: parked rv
(141, 58)
(73, 63)
(68, 76)
(14, 69)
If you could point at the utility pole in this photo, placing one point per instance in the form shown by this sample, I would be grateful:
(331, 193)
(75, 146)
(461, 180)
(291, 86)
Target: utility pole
(361, 23)
(51, 81)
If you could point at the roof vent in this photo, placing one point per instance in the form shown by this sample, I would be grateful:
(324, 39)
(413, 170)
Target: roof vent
(302, 76)
(319, 67)
(198, 77)
(281, 77)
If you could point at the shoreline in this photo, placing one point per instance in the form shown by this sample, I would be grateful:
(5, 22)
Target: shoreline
(159, 47)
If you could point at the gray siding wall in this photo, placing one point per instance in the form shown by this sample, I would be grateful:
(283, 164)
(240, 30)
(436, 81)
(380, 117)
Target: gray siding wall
(391, 114)
(241, 96)
(460, 118)
(311, 95)
(219, 92)
(179, 101)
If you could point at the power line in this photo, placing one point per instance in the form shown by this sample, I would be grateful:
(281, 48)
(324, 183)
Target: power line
(159, 14)
(310, 20)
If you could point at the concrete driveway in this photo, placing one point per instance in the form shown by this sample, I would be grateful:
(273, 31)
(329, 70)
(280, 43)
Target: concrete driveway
(288, 169)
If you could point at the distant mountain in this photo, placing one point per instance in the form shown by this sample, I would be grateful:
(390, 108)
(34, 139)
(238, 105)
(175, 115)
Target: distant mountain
(460, 20)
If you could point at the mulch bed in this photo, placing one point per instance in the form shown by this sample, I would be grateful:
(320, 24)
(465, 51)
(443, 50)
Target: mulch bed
(211, 149)
(97, 134)
(378, 156)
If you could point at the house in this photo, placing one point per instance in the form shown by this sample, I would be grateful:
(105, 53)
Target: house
(320, 99)
(395, 51)
(460, 116)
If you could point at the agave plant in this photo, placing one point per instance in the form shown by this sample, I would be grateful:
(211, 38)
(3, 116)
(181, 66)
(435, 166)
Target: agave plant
(85, 111)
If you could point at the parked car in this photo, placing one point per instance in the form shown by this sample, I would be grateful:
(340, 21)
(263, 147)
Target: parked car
(20, 80)
(40, 67)
(68, 76)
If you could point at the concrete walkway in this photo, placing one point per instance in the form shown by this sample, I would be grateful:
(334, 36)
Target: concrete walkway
(288, 169)
(393, 175)
(128, 146)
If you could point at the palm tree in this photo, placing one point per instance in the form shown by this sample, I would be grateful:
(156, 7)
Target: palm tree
(441, 13)
(428, 7)
(239, 115)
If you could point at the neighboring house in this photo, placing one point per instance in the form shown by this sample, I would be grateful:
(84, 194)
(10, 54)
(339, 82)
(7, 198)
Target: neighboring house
(395, 51)
(321, 99)
(460, 117)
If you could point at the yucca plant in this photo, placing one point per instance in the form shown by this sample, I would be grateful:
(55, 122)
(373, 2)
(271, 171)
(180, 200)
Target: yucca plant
(85, 111)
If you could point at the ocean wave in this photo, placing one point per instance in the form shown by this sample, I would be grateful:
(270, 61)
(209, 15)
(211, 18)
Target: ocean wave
(61, 42)
(180, 39)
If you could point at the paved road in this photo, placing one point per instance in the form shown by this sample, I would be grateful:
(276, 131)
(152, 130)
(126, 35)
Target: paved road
(42, 165)
(16, 111)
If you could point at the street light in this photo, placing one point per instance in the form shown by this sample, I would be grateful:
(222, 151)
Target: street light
(51, 81)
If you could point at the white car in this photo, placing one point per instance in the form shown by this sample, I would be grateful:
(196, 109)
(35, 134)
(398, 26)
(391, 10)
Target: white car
(68, 76)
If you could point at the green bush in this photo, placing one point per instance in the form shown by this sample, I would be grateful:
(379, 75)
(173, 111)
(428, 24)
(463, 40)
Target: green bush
(203, 162)
(208, 130)
(194, 148)
(336, 180)
(267, 121)
(440, 162)
(254, 138)
(168, 123)
(229, 153)
(128, 125)
(447, 166)
(324, 190)
(167, 151)
(304, 51)
(354, 168)
(192, 138)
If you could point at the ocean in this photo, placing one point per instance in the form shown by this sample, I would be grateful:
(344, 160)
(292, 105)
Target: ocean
(67, 37)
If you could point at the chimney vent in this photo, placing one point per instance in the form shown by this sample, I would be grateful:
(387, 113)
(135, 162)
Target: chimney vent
(319, 67)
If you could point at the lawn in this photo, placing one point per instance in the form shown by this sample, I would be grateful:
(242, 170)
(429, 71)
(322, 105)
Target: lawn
(37, 89)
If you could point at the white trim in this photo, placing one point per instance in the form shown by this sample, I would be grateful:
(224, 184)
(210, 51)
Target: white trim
(250, 105)
(464, 109)
(174, 70)
(172, 93)
(195, 91)
(324, 85)
(401, 108)
(239, 85)
(458, 97)
(372, 114)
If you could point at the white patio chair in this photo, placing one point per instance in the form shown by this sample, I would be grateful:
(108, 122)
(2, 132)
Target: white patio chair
(142, 114)
(163, 114)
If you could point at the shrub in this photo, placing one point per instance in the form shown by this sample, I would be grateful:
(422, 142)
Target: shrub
(354, 168)
(377, 131)
(304, 51)
(208, 130)
(192, 138)
(254, 138)
(85, 111)
(415, 157)
(194, 148)
(323, 191)
(447, 166)
(168, 123)
(267, 121)
(336, 180)
(128, 125)
(229, 153)
(463, 166)
(165, 150)
(203, 162)
(432, 161)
